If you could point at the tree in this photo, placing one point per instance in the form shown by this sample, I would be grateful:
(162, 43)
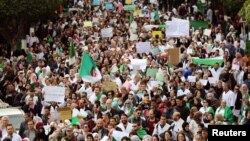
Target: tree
(245, 11)
(16, 16)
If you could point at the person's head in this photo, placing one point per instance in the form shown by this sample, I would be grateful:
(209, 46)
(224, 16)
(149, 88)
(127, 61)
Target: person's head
(97, 90)
(7, 139)
(5, 120)
(204, 133)
(155, 138)
(248, 114)
(179, 101)
(124, 118)
(99, 123)
(30, 101)
(168, 135)
(151, 114)
(125, 139)
(181, 136)
(176, 116)
(112, 121)
(90, 137)
(135, 126)
(185, 126)
(31, 125)
(109, 104)
(223, 104)
(86, 127)
(134, 138)
(47, 110)
(198, 137)
(69, 132)
(225, 87)
(10, 129)
(96, 108)
(163, 120)
(96, 137)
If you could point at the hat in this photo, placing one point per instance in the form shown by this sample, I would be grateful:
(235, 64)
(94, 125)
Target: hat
(128, 101)
(39, 125)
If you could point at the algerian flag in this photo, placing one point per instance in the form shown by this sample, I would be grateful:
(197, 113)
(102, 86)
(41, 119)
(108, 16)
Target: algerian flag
(72, 54)
(88, 70)
(29, 57)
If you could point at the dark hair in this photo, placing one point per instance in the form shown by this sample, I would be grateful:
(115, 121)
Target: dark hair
(125, 139)
(91, 136)
(156, 136)
(184, 125)
(7, 139)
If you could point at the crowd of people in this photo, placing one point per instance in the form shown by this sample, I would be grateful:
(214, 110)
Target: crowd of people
(170, 107)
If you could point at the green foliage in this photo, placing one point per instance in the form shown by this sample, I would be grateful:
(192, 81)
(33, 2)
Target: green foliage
(245, 11)
(32, 10)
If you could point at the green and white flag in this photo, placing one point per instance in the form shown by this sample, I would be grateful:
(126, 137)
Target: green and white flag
(88, 70)
(72, 54)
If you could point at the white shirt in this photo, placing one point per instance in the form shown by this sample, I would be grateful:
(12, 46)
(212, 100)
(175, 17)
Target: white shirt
(194, 127)
(216, 73)
(128, 128)
(177, 127)
(15, 137)
(158, 130)
(229, 98)
(181, 92)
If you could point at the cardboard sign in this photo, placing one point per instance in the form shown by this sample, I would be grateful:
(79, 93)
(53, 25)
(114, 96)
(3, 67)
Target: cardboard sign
(173, 56)
(109, 85)
(128, 1)
(64, 113)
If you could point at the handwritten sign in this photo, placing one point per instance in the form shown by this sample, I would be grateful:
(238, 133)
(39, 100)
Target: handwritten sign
(54, 93)
(107, 32)
(64, 113)
(109, 85)
(88, 24)
(96, 2)
(143, 47)
(129, 7)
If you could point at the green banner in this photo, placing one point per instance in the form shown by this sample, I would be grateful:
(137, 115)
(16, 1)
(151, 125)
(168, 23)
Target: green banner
(129, 7)
(207, 61)
(199, 24)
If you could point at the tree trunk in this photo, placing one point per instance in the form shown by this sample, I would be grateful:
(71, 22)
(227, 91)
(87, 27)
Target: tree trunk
(13, 31)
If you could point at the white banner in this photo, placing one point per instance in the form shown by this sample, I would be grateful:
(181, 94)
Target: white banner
(107, 32)
(177, 28)
(138, 64)
(143, 47)
(54, 93)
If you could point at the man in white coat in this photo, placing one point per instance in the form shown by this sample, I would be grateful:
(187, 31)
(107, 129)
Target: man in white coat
(124, 124)
(162, 126)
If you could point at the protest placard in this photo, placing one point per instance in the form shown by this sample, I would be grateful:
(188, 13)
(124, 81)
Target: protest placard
(54, 93)
(143, 47)
(151, 72)
(107, 32)
(96, 2)
(64, 113)
(157, 33)
(129, 7)
(138, 64)
(87, 24)
(177, 28)
(109, 85)
(108, 5)
(173, 56)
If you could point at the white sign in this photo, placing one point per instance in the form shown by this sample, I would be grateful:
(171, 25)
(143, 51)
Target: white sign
(54, 93)
(107, 32)
(139, 64)
(118, 135)
(191, 78)
(207, 32)
(143, 47)
(177, 28)
(203, 82)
